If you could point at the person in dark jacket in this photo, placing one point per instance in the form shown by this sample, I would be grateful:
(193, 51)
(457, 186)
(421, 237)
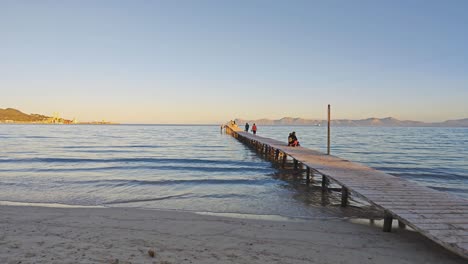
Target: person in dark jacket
(247, 127)
(292, 140)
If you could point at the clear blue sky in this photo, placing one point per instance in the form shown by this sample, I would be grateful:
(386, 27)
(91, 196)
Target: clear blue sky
(211, 61)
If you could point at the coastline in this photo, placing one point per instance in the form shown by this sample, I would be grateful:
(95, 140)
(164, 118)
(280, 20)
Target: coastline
(124, 235)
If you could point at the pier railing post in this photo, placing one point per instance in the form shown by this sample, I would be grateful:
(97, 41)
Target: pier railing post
(344, 196)
(324, 183)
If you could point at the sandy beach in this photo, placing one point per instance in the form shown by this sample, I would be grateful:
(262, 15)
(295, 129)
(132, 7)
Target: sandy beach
(119, 235)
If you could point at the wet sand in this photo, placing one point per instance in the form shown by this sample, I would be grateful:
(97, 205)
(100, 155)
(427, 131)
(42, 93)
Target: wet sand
(119, 235)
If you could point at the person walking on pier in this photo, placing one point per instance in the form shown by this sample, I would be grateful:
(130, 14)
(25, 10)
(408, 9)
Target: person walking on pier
(247, 127)
(254, 129)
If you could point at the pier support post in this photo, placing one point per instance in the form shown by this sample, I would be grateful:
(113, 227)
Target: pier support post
(284, 160)
(307, 175)
(295, 164)
(324, 183)
(277, 154)
(388, 220)
(344, 196)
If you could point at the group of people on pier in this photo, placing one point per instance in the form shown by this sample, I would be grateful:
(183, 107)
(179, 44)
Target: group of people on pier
(292, 139)
(254, 128)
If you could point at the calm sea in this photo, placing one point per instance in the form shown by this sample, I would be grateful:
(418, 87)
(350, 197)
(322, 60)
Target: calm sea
(198, 168)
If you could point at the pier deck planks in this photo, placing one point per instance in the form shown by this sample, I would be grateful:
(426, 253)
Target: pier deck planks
(439, 216)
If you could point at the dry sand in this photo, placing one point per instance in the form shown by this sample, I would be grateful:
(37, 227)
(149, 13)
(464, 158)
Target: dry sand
(118, 235)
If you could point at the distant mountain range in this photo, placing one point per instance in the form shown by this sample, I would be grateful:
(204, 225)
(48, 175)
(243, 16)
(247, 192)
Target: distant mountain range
(369, 122)
(10, 115)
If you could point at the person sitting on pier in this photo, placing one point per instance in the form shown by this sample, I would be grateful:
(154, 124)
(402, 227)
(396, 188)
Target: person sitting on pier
(292, 140)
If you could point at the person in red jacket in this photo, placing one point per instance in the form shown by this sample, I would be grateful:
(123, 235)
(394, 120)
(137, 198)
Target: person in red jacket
(254, 129)
(292, 140)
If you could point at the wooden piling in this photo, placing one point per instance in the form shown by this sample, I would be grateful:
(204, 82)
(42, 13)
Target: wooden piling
(324, 183)
(344, 197)
(388, 220)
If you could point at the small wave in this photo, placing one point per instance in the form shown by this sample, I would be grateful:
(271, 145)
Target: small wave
(208, 146)
(226, 195)
(441, 176)
(147, 167)
(15, 184)
(36, 137)
(129, 160)
(451, 189)
(181, 196)
(118, 183)
(106, 151)
(109, 146)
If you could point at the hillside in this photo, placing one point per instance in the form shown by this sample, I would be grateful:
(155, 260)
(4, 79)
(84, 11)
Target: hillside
(14, 115)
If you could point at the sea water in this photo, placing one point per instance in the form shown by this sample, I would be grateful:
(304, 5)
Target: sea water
(198, 168)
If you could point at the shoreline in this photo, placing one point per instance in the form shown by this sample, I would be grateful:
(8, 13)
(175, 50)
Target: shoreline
(34, 234)
(236, 215)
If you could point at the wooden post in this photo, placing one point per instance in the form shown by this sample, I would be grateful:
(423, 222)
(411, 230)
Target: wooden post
(328, 138)
(284, 160)
(388, 219)
(295, 164)
(277, 154)
(344, 196)
(324, 183)
(308, 176)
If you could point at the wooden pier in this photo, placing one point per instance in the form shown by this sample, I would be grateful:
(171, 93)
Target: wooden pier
(439, 216)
